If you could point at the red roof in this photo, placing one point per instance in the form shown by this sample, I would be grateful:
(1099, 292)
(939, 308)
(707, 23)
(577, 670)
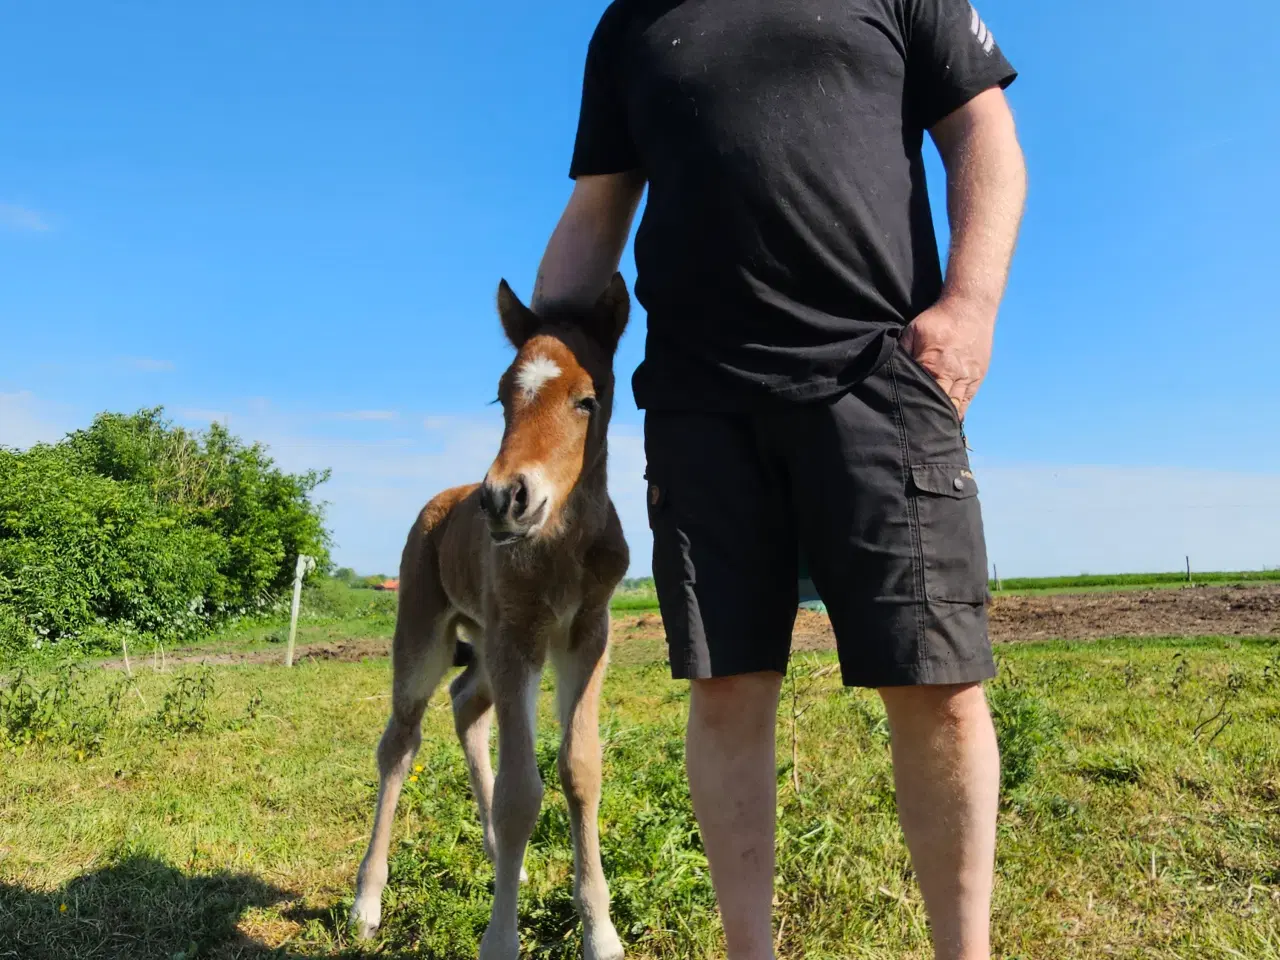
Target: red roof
(388, 585)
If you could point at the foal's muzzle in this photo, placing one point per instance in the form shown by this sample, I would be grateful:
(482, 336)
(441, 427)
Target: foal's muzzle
(507, 508)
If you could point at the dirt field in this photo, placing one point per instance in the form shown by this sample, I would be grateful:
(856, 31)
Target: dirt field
(1192, 612)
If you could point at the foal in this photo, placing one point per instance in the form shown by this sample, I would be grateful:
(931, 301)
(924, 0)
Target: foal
(523, 565)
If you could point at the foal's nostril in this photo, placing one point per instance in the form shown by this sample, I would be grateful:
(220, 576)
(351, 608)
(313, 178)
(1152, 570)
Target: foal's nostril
(519, 498)
(494, 500)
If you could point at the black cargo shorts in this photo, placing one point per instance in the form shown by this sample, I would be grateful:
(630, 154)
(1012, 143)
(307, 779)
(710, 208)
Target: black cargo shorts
(875, 488)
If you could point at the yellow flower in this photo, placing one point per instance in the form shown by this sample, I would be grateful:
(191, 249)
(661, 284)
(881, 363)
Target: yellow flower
(413, 779)
(418, 768)
(62, 908)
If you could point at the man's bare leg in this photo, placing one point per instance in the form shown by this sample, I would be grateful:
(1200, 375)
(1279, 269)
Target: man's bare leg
(733, 781)
(947, 772)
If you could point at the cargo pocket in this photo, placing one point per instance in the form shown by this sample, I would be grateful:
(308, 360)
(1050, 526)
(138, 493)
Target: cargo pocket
(952, 547)
(654, 494)
(668, 557)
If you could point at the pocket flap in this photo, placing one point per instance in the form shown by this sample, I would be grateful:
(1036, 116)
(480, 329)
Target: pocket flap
(954, 480)
(656, 495)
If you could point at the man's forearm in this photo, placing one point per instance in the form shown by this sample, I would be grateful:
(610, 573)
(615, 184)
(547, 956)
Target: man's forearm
(986, 190)
(587, 244)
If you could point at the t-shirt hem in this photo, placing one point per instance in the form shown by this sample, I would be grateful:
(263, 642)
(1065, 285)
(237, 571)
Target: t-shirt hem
(577, 170)
(743, 399)
(965, 92)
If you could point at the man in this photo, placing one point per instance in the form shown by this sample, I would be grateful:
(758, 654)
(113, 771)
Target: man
(805, 378)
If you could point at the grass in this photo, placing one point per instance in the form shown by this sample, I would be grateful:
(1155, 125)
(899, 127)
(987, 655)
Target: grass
(223, 815)
(1089, 583)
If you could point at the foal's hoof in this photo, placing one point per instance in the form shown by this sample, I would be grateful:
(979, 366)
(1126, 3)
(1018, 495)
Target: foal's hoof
(602, 944)
(498, 946)
(365, 918)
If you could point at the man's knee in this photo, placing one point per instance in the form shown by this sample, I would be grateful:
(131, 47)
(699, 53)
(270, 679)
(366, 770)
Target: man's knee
(941, 704)
(743, 702)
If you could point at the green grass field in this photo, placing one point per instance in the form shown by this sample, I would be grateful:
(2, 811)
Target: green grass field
(1134, 581)
(1141, 815)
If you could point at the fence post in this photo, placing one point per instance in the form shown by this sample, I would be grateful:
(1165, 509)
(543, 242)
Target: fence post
(304, 566)
(996, 570)
(1188, 568)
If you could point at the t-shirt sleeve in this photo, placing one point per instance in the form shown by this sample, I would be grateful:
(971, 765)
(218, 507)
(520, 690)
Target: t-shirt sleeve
(952, 56)
(603, 144)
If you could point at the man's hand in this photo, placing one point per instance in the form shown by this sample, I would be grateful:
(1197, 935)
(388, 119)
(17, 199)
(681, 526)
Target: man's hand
(986, 187)
(952, 340)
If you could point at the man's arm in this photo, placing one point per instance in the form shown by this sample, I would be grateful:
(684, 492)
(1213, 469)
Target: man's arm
(585, 247)
(986, 189)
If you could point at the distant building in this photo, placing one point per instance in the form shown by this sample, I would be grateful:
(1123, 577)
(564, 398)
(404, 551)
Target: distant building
(392, 585)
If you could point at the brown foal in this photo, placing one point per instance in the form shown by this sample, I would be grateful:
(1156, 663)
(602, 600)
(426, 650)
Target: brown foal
(522, 566)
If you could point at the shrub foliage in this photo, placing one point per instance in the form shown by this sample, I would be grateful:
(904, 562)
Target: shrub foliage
(137, 526)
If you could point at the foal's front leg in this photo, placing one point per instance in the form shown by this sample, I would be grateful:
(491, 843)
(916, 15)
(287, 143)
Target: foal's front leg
(579, 676)
(517, 794)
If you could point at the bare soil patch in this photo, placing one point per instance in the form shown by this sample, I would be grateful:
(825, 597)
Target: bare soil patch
(345, 651)
(1191, 612)
(1188, 612)
(1252, 611)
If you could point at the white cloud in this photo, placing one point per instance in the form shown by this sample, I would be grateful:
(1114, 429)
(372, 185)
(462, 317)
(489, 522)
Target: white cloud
(1040, 519)
(20, 218)
(1046, 520)
(197, 415)
(24, 420)
(366, 415)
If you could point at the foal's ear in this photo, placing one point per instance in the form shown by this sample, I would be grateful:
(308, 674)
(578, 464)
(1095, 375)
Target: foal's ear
(518, 322)
(609, 316)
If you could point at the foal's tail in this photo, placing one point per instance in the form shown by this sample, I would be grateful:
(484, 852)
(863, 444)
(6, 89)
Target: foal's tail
(464, 654)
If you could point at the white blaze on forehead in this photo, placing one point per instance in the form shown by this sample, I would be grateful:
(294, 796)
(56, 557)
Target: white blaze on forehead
(534, 373)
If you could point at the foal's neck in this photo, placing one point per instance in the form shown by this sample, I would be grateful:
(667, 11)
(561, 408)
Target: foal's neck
(590, 499)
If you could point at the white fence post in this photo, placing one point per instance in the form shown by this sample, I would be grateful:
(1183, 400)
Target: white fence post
(304, 566)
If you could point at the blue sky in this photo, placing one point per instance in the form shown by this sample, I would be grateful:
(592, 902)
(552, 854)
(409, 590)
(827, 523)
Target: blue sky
(292, 217)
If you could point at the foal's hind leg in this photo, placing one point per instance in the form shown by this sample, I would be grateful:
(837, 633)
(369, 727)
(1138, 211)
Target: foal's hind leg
(579, 675)
(473, 720)
(418, 663)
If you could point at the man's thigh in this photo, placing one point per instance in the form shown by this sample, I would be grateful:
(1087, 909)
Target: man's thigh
(888, 517)
(724, 545)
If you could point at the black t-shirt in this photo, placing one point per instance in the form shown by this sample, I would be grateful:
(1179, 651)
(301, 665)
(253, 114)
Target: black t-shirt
(787, 235)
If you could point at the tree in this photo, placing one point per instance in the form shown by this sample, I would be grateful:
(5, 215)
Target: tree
(135, 524)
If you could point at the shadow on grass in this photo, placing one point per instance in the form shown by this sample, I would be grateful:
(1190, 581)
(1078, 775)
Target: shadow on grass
(140, 908)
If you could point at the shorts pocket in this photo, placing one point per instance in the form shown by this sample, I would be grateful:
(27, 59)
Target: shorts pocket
(952, 545)
(668, 555)
(655, 499)
(930, 383)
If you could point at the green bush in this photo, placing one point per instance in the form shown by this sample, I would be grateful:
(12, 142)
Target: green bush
(136, 526)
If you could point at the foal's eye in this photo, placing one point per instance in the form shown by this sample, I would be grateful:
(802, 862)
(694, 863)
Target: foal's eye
(588, 405)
